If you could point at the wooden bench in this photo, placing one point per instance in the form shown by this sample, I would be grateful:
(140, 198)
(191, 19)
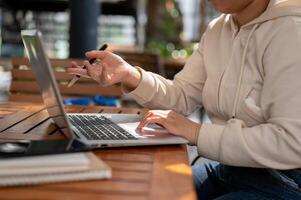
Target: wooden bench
(24, 86)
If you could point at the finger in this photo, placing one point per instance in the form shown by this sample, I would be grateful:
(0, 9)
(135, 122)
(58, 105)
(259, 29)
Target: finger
(151, 113)
(148, 114)
(93, 71)
(77, 71)
(89, 68)
(153, 119)
(73, 65)
(145, 117)
(96, 54)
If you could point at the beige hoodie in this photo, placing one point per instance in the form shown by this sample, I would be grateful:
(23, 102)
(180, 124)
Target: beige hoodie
(249, 82)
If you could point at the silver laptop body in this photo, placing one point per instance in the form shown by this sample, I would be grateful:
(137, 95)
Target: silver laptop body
(152, 135)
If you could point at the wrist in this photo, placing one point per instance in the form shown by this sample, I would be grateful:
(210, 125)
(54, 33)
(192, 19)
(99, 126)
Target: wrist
(194, 133)
(132, 80)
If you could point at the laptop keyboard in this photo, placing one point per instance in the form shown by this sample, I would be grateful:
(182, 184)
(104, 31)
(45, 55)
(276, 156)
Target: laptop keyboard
(99, 128)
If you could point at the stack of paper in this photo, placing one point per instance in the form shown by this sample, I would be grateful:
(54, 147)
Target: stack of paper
(52, 168)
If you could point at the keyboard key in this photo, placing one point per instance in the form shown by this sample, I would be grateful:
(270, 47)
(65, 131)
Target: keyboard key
(99, 128)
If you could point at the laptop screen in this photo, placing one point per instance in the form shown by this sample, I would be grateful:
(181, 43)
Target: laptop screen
(44, 75)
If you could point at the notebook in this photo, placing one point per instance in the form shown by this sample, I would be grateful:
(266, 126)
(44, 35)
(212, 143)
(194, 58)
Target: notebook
(52, 168)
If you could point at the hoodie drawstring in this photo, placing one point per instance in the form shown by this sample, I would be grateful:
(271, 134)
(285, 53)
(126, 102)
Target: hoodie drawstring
(242, 69)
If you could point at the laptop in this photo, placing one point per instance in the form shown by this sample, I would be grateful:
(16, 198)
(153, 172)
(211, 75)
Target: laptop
(96, 130)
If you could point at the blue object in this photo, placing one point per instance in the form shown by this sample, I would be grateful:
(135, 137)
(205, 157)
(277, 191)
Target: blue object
(106, 101)
(78, 101)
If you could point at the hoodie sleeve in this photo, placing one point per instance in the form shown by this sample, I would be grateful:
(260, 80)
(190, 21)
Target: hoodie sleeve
(182, 95)
(277, 143)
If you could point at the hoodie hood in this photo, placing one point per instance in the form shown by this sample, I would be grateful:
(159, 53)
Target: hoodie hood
(278, 8)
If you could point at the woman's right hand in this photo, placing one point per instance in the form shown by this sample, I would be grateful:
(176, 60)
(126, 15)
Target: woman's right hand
(108, 70)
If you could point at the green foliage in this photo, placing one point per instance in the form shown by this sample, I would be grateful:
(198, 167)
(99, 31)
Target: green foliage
(166, 38)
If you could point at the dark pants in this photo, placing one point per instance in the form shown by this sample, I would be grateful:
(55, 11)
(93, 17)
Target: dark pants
(221, 182)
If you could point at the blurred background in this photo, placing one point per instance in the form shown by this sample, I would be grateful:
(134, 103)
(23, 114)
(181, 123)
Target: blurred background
(170, 29)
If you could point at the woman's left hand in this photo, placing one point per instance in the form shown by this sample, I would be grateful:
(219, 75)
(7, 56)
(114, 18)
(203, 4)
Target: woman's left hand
(174, 123)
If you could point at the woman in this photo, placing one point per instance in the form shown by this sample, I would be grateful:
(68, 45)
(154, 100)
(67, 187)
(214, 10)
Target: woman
(246, 73)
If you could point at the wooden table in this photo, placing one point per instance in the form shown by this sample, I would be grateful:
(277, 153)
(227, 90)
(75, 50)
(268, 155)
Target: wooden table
(161, 172)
